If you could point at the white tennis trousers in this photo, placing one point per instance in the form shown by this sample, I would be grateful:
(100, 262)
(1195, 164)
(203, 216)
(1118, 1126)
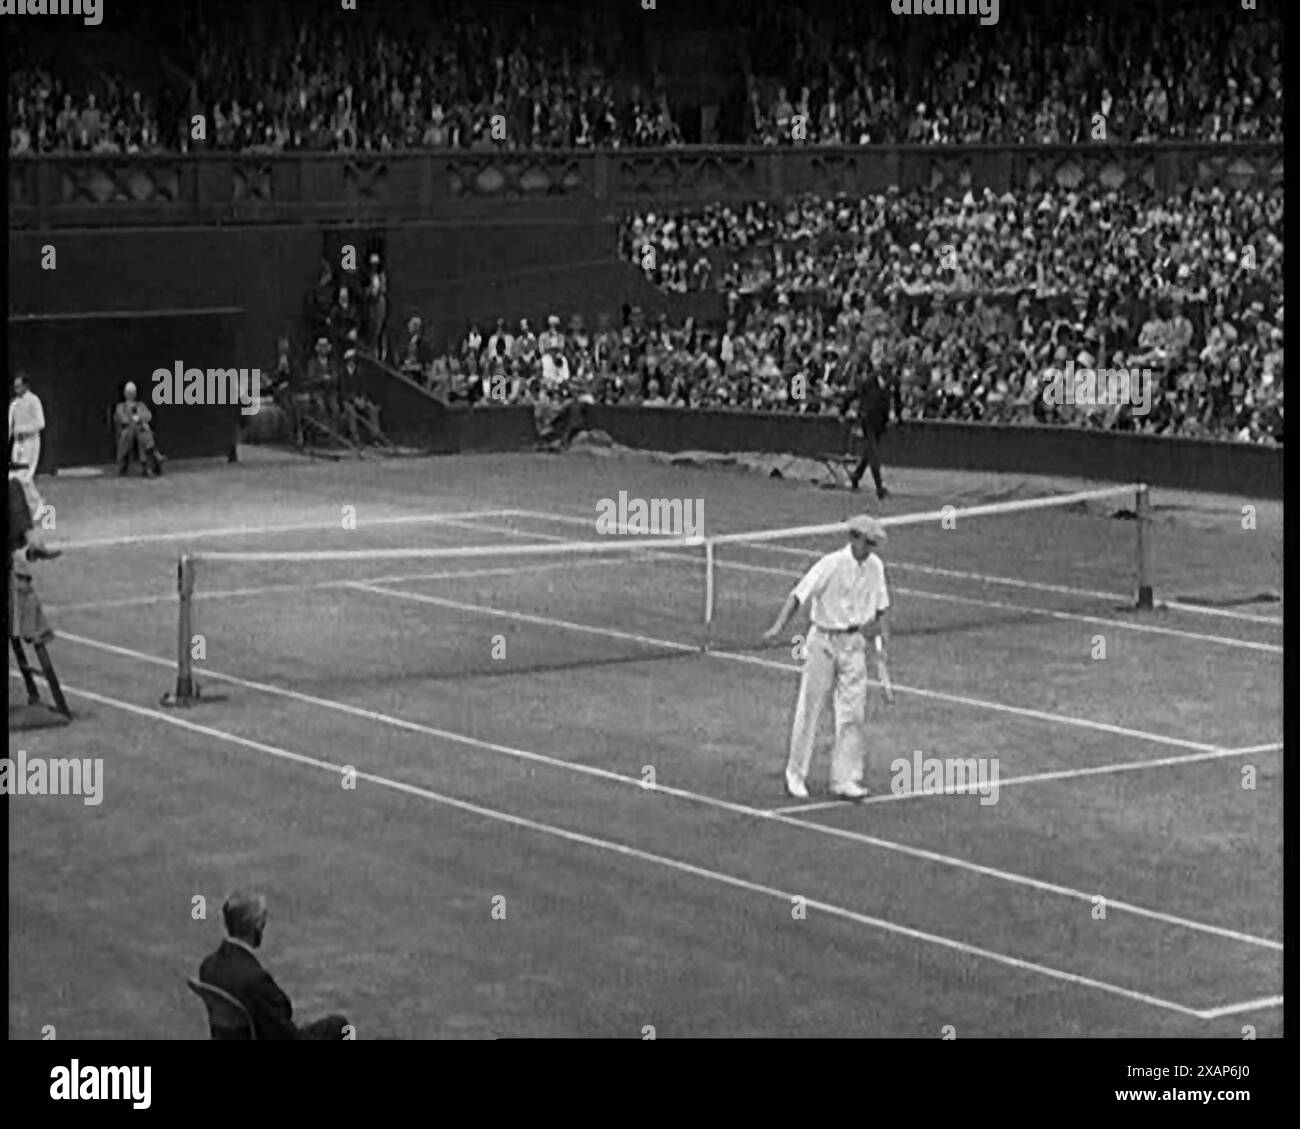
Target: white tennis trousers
(835, 667)
(28, 452)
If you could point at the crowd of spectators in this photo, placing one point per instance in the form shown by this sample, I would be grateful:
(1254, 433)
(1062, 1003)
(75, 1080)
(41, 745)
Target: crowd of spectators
(49, 115)
(813, 248)
(963, 305)
(338, 82)
(319, 390)
(971, 360)
(463, 81)
(1046, 73)
(349, 308)
(553, 76)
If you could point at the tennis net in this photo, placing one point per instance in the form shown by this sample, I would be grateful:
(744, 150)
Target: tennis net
(952, 568)
(335, 617)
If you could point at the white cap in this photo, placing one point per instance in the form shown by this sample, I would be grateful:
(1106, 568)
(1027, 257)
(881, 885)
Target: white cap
(868, 528)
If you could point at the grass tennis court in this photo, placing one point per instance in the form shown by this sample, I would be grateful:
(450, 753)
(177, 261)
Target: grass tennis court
(502, 714)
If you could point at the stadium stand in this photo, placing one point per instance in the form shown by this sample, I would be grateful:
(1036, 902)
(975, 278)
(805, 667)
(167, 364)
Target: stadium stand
(547, 76)
(962, 302)
(1188, 286)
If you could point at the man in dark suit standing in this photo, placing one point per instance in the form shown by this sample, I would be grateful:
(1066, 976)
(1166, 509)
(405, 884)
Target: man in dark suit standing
(872, 400)
(234, 968)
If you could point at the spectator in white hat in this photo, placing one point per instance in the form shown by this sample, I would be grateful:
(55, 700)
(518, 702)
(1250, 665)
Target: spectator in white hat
(551, 339)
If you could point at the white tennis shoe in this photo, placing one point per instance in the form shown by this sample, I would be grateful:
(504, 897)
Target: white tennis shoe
(795, 787)
(850, 792)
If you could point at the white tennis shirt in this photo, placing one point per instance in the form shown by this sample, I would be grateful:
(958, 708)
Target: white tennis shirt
(25, 415)
(844, 592)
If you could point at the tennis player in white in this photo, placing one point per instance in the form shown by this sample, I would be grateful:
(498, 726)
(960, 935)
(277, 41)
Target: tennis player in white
(26, 422)
(846, 596)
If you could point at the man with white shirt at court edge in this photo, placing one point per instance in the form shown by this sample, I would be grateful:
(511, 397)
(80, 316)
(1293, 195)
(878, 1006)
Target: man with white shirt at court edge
(26, 422)
(846, 596)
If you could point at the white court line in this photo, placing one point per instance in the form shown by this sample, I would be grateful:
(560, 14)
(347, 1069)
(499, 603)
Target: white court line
(1145, 628)
(1269, 747)
(289, 527)
(984, 578)
(772, 664)
(1011, 582)
(786, 897)
(679, 793)
(1226, 613)
(1060, 588)
(1038, 777)
(1237, 1009)
(1077, 617)
(1000, 707)
(1037, 586)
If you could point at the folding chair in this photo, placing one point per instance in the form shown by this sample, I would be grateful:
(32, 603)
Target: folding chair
(841, 464)
(227, 1017)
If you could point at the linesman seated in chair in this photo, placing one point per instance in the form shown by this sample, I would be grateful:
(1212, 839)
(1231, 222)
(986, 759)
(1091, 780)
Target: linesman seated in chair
(235, 969)
(133, 422)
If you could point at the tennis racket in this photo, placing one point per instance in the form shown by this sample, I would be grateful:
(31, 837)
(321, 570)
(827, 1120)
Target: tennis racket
(886, 683)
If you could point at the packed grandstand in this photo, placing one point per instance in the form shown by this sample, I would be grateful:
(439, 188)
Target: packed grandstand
(961, 302)
(576, 77)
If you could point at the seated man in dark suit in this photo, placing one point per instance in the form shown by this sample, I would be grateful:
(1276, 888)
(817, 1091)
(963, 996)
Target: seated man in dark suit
(320, 385)
(235, 969)
(135, 439)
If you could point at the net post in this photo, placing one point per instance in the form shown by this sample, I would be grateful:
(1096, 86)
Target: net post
(187, 691)
(1145, 597)
(710, 570)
